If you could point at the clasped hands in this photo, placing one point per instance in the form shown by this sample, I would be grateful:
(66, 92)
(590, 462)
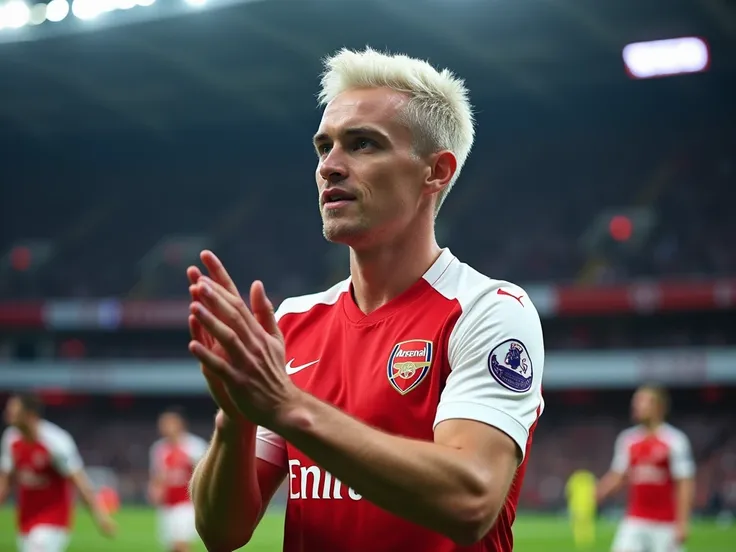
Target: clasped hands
(241, 350)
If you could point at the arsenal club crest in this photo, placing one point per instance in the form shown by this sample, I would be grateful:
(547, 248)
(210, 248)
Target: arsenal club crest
(409, 364)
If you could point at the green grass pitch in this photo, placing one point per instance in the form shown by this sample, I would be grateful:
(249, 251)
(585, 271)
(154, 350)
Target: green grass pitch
(533, 533)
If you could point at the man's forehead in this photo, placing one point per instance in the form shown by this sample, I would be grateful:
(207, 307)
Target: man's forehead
(375, 106)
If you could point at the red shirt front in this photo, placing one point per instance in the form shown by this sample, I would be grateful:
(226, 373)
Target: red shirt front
(173, 464)
(45, 494)
(455, 345)
(653, 462)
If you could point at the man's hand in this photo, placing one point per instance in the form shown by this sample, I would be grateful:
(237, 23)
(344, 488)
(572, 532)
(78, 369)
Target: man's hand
(682, 531)
(228, 411)
(242, 352)
(106, 525)
(155, 493)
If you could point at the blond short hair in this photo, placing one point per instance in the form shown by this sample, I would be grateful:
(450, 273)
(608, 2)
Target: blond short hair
(438, 113)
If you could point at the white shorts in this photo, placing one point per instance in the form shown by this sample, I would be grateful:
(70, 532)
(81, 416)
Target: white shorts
(44, 538)
(176, 524)
(639, 535)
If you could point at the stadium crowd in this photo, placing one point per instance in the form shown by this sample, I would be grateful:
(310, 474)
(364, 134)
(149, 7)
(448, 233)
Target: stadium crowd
(523, 211)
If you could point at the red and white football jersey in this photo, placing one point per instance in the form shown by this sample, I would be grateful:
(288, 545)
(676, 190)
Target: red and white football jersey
(456, 345)
(174, 463)
(653, 462)
(45, 494)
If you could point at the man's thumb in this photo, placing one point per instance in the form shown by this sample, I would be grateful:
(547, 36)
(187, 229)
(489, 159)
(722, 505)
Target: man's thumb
(262, 309)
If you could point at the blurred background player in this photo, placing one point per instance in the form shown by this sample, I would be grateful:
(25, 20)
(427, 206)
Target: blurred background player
(46, 466)
(172, 460)
(580, 493)
(656, 460)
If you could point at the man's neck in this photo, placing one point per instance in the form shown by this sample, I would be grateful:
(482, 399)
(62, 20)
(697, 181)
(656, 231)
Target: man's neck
(653, 426)
(379, 275)
(29, 431)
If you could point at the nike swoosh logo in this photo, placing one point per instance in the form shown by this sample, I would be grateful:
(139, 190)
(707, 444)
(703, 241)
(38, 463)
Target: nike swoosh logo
(294, 369)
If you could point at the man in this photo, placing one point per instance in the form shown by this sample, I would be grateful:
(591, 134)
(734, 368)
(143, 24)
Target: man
(580, 492)
(46, 466)
(657, 460)
(400, 403)
(172, 460)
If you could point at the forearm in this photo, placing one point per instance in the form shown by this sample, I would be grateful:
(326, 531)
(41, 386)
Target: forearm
(224, 489)
(4, 486)
(609, 485)
(430, 484)
(685, 496)
(88, 496)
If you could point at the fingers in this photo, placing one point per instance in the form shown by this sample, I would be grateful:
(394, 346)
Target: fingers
(218, 272)
(263, 309)
(193, 274)
(214, 364)
(230, 334)
(196, 331)
(230, 308)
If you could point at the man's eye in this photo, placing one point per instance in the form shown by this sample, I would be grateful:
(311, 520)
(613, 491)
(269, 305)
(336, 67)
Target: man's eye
(323, 149)
(364, 143)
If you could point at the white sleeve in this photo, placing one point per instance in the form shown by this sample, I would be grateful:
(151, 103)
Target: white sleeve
(6, 459)
(197, 448)
(496, 354)
(620, 462)
(682, 464)
(65, 455)
(153, 462)
(271, 447)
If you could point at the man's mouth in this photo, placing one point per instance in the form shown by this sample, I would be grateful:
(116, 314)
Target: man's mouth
(336, 198)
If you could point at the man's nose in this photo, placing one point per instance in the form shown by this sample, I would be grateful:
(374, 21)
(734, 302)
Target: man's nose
(333, 167)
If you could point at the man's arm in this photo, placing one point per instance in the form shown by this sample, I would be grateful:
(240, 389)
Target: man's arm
(614, 479)
(685, 496)
(457, 484)
(4, 485)
(6, 464)
(69, 463)
(231, 487)
(682, 466)
(155, 477)
(86, 492)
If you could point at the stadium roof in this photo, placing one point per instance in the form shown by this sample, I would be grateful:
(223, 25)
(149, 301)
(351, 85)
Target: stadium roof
(259, 61)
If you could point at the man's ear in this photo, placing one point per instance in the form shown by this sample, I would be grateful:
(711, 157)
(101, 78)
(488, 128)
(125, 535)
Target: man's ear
(442, 168)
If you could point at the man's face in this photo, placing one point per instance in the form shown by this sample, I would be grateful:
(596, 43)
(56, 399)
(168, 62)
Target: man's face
(366, 155)
(170, 425)
(14, 413)
(644, 406)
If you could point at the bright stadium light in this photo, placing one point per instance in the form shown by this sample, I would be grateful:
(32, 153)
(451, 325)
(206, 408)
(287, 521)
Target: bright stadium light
(87, 9)
(666, 57)
(125, 4)
(38, 14)
(57, 10)
(16, 14)
(146, 3)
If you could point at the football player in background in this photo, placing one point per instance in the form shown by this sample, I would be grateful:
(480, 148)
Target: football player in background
(580, 493)
(44, 461)
(656, 461)
(172, 460)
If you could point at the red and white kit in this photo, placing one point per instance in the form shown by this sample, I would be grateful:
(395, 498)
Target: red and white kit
(45, 493)
(455, 345)
(172, 464)
(653, 461)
